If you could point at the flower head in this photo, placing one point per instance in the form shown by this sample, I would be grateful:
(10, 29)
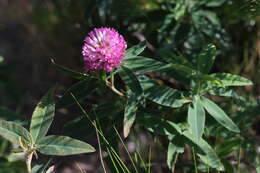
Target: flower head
(103, 49)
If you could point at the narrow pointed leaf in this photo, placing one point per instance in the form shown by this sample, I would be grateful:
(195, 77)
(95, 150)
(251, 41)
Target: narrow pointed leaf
(135, 50)
(159, 125)
(206, 58)
(143, 64)
(74, 74)
(175, 147)
(130, 113)
(131, 81)
(12, 132)
(196, 119)
(226, 92)
(209, 156)
(216, 112)
(161, 94)
(43, 116)
(226, 79)
(63, 146)
(41, 167)
(185, 70)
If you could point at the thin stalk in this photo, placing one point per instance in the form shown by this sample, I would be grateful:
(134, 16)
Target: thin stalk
(110, 155)
(119, 160)
(85, 113)
(194, 159)
(175, 161)
(239, 158)
(100, 151)
(126, 150)
(111, 85)
(141, 159)
(100, 132)
(80, 169)
(149, 160)
(207, 164)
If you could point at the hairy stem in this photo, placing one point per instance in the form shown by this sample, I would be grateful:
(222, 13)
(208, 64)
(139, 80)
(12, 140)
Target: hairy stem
(28, 158)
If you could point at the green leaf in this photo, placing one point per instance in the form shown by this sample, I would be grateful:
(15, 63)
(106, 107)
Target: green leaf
(215, 3)
(175, 147)
(161, 94)
(13, 132)
(136, 50)
(179, 10)
(206, 58)
(41, 167)
(130, 113)
(226, 79)
(196, 118)
(159, 125)
(62, 146)
(80, 90)
(219, 115)
(228, 146)
(208, 23)
(209, 156)
(131, 81)
(43, 116)
(226, 92)
(228, 166)
(185, 70)
(144, 65)
(74, 74)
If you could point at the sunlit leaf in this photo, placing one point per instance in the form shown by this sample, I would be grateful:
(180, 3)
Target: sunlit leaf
(43, 116)
(14, 132)
(135, 50)
(216, 112)
(226, 79)
(62, 146)
(196, 118)
(206, 58)
(175, 147)
(130, 113)
(161, 94)
(143, 64)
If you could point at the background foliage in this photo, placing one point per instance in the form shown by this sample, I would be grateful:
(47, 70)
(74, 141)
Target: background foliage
(176, 32)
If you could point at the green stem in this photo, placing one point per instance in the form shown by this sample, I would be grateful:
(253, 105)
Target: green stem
(111, 85)
(28, 158)
(239, 159)
(149, 160)
(100, 150)
(126, 149)
(194, 159)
